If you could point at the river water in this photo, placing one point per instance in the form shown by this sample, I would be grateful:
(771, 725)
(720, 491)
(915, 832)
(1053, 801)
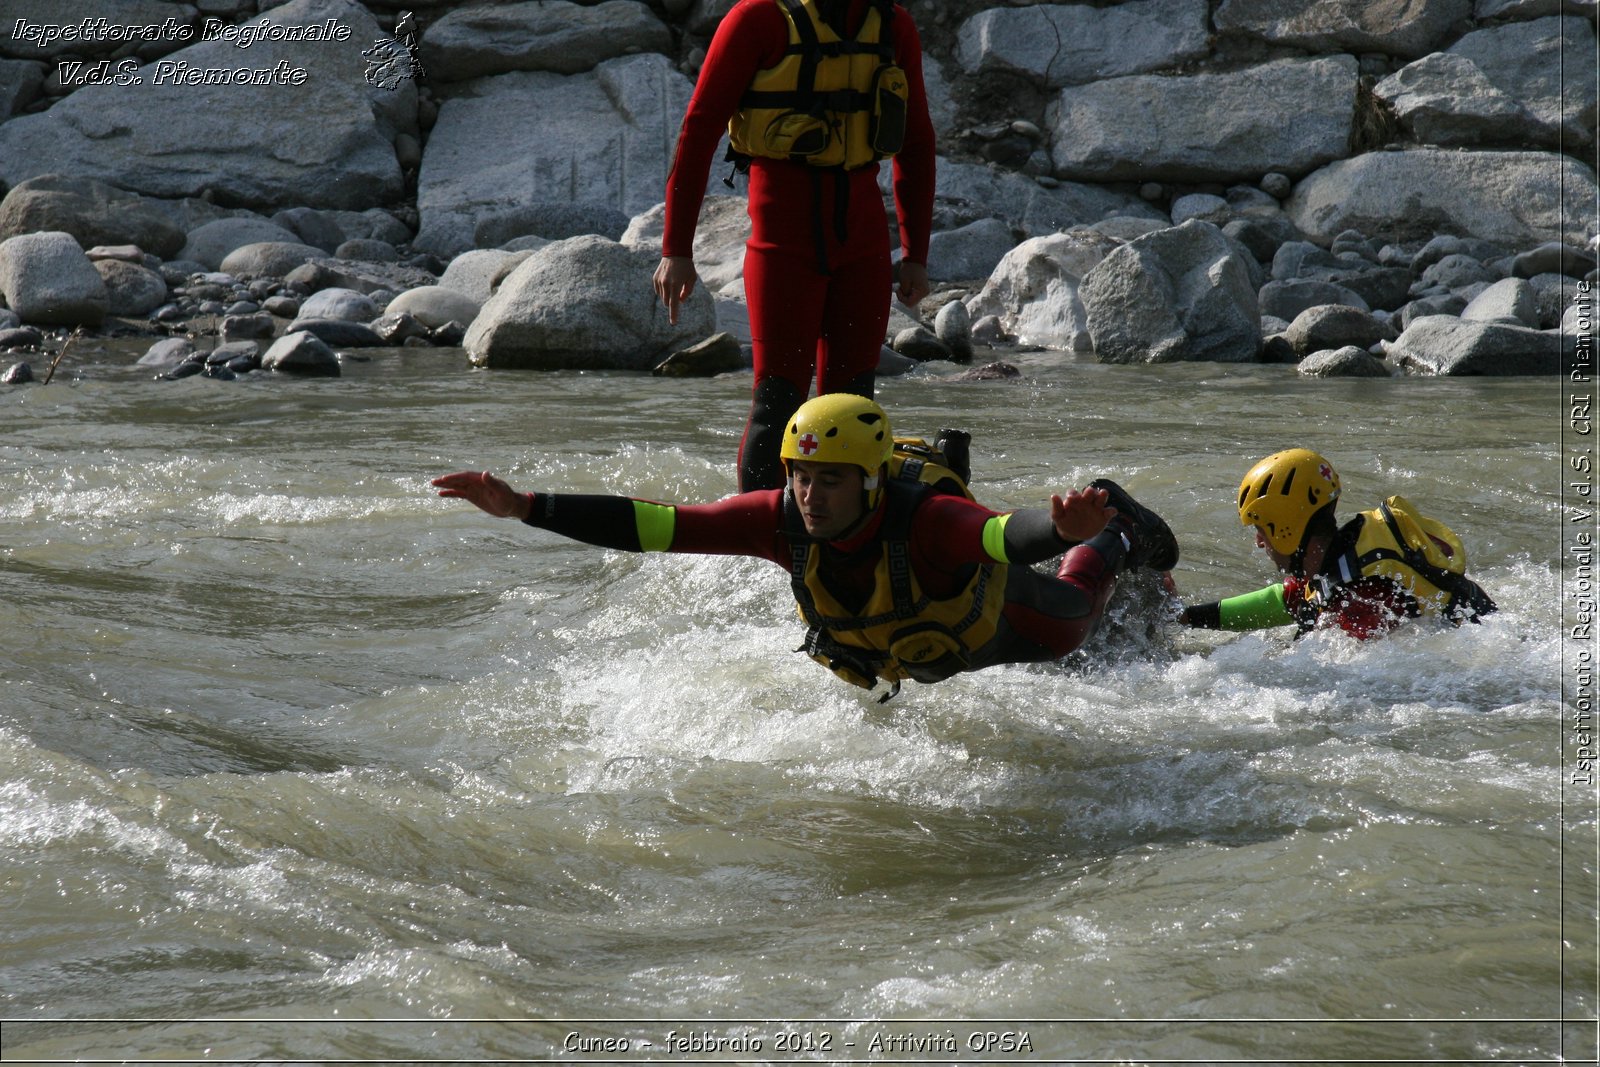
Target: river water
(300, 762)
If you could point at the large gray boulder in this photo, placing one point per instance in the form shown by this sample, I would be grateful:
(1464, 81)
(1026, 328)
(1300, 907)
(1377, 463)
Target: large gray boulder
(943, 111)
(1335, 326)
(20, 81)
(583, 303)
(167, 352)
(1441, 344)
(302, 353)
(1514, 199)
(1445, 99)
(1537, 64)
(1289, 299)
(1033, 290)
(214, 241)
(968, 192)
(47, 280)
(605, 138)
(435, 305)
(1056, 45)
(970, 251)
(550, 220)
(314, 133)
(131, 289)
(1177, 294)
(94, 212)
(1511, 300)
(348, 305)
(553, 35)
(310, 226)
(1412, 28)
(1347, 362)
(1290, 115)
(719, 240)
(273, 259)
(1553, 257)
(1502, 85)
(477, 273)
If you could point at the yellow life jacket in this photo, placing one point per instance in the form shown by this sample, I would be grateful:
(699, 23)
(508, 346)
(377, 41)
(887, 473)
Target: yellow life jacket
(1422, 555)
(828, 102)
(900, 632)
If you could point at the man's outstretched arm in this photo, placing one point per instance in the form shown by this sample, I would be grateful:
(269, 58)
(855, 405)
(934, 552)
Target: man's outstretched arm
(744, 525)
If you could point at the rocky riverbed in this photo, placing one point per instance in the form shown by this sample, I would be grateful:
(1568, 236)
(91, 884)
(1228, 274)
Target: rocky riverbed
(1403, 189)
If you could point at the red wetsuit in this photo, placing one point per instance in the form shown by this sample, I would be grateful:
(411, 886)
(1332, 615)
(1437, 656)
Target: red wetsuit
(1044, 618)
(804, 322)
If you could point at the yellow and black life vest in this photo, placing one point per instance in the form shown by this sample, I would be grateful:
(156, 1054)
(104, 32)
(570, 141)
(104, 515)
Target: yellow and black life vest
(1421, 555)
(900, 632)
(829, 102)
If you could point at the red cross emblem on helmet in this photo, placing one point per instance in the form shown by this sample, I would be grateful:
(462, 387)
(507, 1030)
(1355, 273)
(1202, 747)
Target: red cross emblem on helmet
(807, 444)
(1326, 472)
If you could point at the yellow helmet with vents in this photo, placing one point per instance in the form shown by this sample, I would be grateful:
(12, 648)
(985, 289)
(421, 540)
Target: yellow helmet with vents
(839, 428)
(1281, 493)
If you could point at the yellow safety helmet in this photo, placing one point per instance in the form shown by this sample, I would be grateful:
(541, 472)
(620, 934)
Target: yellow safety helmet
(1283, 491)
(840, 428)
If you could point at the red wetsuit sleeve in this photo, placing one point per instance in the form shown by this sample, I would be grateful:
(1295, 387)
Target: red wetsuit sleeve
(750, 38)
(913, 167)
(952, 531)
(748, 524)
(948, 533)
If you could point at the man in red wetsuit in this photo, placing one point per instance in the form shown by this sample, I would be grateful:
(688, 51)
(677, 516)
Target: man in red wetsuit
(817, 272)
(1365, 577)
(894, 578)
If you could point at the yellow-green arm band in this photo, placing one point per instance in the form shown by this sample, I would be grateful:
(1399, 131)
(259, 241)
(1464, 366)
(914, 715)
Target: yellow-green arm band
(655, 524)
(994, 537)
(1254, 611)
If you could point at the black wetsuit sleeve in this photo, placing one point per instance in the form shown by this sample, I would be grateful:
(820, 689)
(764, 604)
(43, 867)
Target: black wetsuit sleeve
(1030, 536)
(606, 521)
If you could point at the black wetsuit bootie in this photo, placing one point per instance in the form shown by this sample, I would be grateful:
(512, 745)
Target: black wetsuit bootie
(1154, 546)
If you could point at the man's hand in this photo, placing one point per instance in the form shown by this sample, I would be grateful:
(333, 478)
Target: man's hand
(913, 283)
(489, 493)
(1078, 516)
(674, 281)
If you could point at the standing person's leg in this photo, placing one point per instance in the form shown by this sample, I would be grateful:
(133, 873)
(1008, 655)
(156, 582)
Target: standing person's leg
(853, 324)
(785, 295)
(859, 289)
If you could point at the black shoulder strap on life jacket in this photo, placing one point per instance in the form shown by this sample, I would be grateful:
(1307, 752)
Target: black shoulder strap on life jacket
(1414, 556)
(895, 535)
(810, 47)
